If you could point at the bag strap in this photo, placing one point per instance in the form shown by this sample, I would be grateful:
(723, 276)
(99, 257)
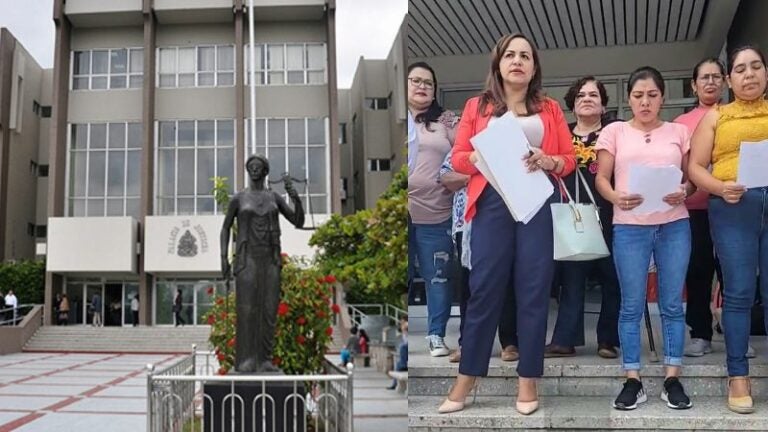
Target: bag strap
(562, 186)
(586, 186)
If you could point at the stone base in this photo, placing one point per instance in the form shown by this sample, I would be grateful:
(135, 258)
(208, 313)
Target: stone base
(279, 391)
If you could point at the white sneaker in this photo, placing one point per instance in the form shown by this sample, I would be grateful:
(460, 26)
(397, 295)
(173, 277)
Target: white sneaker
(437, 346)
(750, 352)
(698, 347)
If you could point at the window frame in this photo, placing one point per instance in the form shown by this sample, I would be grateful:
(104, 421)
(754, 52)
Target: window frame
(216, 72)
(265, 70)
(130, 51)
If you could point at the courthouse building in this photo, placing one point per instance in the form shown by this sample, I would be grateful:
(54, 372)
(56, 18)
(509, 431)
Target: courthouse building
(149, 99)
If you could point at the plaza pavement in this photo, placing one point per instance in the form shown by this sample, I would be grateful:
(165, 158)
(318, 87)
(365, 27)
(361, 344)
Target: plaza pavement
(69, 392)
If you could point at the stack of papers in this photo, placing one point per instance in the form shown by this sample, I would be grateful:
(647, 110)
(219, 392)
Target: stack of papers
(500, 151)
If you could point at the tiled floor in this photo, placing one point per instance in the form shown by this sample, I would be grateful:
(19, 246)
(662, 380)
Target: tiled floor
(74, 392)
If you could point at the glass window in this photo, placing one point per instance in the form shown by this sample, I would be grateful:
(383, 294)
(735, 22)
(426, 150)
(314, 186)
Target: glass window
(187, 161)
(137, 60)
(167, 67)
(104, 172)
(100, 62)
(117, 68)
(315, 56)
(186, 67)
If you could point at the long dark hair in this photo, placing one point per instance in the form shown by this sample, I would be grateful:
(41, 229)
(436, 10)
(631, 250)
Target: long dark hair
(645, 72)
(435, 110)
(494, 85)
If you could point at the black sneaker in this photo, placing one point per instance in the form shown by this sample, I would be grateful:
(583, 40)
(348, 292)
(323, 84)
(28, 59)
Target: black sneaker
(631, 395)
(674, 395)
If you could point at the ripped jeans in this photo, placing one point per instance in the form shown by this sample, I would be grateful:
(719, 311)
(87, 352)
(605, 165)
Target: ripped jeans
(432, 246)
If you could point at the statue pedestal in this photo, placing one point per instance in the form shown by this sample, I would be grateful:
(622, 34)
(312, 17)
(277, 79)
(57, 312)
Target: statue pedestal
(220, 410)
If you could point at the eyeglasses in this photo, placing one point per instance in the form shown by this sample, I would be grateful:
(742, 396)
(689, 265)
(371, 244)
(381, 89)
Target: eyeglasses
(418, 82)
(715, 77)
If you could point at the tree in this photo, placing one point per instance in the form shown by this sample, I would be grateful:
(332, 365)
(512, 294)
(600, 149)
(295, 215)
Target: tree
(368, 250)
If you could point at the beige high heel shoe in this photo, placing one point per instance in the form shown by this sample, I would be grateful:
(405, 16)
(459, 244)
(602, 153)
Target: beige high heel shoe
(528, 408)
(449, 406)
(740, 404)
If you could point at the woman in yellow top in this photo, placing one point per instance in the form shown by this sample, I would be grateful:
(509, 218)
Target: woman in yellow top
(736, 214)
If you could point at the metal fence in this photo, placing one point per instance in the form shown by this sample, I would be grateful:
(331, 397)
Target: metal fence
(177, 401)
(14, 316)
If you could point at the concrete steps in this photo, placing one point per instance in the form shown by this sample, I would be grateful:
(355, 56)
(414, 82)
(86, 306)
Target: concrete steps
(576, 392)
(140, 339)
(581, 413)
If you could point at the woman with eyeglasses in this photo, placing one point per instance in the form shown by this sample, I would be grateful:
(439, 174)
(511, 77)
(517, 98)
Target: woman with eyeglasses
(504, 249)
(430, 201)
(737, 215)
(707, 85)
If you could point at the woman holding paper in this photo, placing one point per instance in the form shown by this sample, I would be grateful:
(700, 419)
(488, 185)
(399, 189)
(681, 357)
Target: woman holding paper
(737, 213)
(504, 249)
(657, 150)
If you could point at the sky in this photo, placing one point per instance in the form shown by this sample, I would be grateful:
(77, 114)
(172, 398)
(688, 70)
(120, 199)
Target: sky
(363, 28)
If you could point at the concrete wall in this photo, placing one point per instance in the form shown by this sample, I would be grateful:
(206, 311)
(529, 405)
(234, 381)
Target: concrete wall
(198, 34)
(294, 31)
(107, 37)
(23, 152)
(346, 151)
(749, 25)
(15, 337)
(44, 140)
(356, 136)
(163, 235)
(82, 244)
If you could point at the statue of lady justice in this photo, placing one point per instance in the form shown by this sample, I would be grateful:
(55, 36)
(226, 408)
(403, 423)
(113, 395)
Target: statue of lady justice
(257, 263)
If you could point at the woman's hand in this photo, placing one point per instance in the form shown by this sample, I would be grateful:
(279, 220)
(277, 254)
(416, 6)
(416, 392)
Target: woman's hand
(628, 202)
(732, 192)
(676, 198)
(536, 160)
(454, 181)
(473, 157)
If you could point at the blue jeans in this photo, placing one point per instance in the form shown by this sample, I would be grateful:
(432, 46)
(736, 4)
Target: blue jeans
(740, 236)
(670, 245)
(432, 246)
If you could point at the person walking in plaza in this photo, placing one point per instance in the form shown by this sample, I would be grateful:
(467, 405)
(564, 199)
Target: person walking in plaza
(430, 201)
(63, 317)
(364, 344)
(587, 99)
(646, 140)
(96, 305)
(177, 299)
(504, 249)
(707, 85)
(736, 214)
(135, 310)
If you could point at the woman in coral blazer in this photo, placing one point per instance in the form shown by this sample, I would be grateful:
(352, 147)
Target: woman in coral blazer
(504, 249)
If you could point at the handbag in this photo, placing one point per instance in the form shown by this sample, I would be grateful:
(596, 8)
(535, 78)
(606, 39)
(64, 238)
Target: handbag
(576, 227)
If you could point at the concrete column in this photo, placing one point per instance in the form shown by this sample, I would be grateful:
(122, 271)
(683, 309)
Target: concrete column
(58, 141)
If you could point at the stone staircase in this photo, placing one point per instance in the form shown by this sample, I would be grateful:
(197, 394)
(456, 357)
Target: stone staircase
(576, 393)
(141, 339)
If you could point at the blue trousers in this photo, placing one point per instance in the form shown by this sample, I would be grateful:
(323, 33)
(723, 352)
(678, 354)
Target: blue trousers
(504, 250)
(740, 236)
(670, 244)
(432, 246)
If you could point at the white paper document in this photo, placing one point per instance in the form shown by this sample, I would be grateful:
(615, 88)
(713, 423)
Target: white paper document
(653, 183)
(753, 164)
(500, 149)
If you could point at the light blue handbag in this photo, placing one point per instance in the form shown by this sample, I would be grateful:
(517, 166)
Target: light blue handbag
(578, 232)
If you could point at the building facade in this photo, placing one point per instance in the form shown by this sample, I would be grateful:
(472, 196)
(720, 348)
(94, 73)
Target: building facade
(373, 116)
(150, 103)
(25, 113)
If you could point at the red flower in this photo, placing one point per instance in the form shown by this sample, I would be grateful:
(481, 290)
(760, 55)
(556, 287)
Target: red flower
(231, 342)
(276, 361)
(223, 370)
(209, 291)
(220, 357)
(329, 331)
(330, 279)
(219, 301)
(593, 167)
(211, 319)
(320, 314)
(336, 309)
(284, 254)
(282, 309)
(223, 315)
(301, 320)
(300, 339)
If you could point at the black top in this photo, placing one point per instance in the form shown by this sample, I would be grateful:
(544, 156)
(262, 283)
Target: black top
(586, 162)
